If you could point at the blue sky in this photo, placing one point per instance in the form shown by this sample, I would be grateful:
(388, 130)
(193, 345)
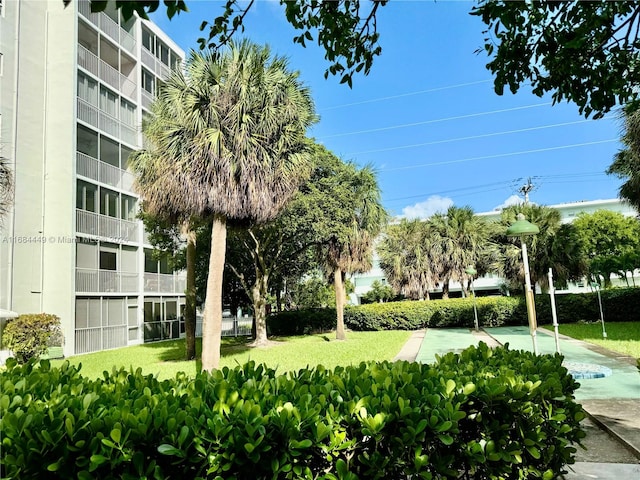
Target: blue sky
(427, 118)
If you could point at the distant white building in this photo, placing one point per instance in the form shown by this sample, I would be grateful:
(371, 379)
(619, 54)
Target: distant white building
(74, 88)
(491, 284)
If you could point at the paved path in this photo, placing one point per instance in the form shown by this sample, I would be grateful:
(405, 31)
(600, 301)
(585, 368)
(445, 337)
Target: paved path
(612, 402)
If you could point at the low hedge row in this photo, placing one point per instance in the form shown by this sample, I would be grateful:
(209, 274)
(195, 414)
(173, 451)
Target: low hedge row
(619, 305)
(480, 414)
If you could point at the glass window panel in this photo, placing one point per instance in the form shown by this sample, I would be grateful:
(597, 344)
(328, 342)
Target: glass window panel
(108, 102)
(128, 208)
(150, 263)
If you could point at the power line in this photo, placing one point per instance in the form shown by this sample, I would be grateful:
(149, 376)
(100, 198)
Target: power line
(500, 155)
(471, 137)
(409, 94)
(437, 120)
(503, 184)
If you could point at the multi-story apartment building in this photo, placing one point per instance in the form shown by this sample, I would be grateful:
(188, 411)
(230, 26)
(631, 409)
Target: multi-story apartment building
(75, 87)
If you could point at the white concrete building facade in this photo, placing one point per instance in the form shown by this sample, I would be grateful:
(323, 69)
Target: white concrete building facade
(75, 86)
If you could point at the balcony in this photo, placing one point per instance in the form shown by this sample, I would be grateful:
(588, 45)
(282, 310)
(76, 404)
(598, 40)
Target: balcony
(106, 72)
(146, 99)
(94, 280)
(95, 339)
(109, 26)
(110, 228)
(94, 116)
(95, 169)
(155, 64)
(164, 283)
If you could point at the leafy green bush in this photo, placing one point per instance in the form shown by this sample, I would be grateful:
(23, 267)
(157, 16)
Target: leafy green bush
(457, 312)
(302, 322)
(480, 414)
(29, 336)
(618, 305)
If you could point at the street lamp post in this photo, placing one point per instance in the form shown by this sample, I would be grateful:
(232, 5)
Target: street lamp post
(472, 272)
(522, 228)
(596, 285)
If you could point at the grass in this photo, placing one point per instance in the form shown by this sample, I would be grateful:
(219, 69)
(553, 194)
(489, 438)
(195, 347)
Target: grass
(622, 337)
(165, 359)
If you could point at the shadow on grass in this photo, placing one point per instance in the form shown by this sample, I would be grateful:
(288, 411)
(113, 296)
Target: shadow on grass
(174, 350)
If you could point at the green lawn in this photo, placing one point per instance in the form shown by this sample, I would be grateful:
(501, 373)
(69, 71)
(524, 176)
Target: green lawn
(292, 353)
(623, 337)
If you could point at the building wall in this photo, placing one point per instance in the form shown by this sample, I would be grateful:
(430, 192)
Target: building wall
(80, 256)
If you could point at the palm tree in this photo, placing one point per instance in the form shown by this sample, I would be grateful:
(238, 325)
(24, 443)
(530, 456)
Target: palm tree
(349, 249)
(228, 143)
(557, 246)
(626, 163)
(404, 253)
(459, 240)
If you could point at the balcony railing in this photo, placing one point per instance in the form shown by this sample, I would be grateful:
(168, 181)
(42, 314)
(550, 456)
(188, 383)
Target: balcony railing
(155, 64)
(94, 280)
(107, 73)
(113, 229)
(146, 99)
(92, 168)
(107, 123)
(100, 338)
(108, 26)
(164, 283)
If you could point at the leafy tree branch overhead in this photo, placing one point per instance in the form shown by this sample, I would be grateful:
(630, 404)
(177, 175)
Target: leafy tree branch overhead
(345, 29)
(582, 52)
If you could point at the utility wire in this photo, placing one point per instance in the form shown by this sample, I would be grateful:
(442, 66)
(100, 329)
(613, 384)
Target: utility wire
(401, 95)
(471, 137)
(437, 120)
(500, 155)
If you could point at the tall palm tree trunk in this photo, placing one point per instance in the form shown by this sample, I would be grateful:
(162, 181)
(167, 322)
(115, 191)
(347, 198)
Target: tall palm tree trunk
(259, 294)
(190, 294)
(212, 322)
(338, 283)
(445, 288)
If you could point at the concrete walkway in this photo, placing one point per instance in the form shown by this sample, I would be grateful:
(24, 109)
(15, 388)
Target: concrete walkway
(612, 402)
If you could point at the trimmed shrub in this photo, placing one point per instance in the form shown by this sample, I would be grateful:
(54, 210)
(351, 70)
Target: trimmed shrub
(301, 322)
(479, 414)
(619, 305)
(457, 312)
(29, 336)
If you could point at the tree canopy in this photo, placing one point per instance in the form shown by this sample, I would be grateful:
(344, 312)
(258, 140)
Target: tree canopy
(583, 52)
(626, 163)
(611, 243)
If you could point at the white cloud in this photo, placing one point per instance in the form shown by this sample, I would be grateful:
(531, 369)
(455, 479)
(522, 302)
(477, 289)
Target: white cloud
(512, 200)
(433, 204)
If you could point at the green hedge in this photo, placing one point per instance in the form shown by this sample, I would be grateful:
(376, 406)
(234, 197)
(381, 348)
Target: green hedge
(301, 322)
(619, 305)
(480, 414)
(457, 312)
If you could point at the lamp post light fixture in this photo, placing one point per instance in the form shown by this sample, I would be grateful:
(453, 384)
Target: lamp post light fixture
(522, 228)
(470, 270)
(596, 285)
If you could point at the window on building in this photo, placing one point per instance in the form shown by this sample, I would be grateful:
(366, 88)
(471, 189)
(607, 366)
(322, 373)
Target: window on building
(108, 102)
(87, 141)
(164, 264)
(128, 208)
(109, 151)
(150, 263)
(86, 196)
(163, 51)
(127, 113)
(175, 61)
(148, 40)
(108, 202)
(148, 82)
(87, 89)
(108, 259)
